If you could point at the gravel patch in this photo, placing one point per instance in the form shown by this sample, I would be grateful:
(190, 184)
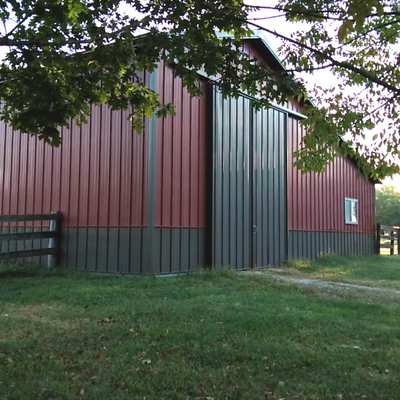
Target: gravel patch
(326, 284)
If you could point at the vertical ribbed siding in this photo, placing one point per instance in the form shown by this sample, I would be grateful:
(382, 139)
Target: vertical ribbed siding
(316, 201)
(232, 179)
(128, 179)
(181, 156)
(312, 245)
(97, 177)
(269, 130)
(120, 250)
(249, 186)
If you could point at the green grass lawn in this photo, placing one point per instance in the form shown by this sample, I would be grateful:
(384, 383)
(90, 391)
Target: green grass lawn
(379, 271)
(208, 336)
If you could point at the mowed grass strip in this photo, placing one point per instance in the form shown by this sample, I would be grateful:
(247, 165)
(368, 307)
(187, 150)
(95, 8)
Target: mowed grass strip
(207, 336)
(378, 271)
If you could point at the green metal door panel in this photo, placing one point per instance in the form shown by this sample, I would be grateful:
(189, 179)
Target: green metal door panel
(226, 181)
(218, 216)
(249, 185)
(259, 142)
(239, 161)
(270, 187)
(231, 184)
(245, 191)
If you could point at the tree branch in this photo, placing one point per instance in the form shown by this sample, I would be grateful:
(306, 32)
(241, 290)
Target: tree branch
(384, 104)
(311, 69)
(18, 25)
(5, 41)
(342, 64)
(316, 14)
(265, 18)
(324, 14)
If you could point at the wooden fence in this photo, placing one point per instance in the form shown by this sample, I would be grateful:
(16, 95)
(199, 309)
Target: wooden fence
(388, 240)
(53, 234)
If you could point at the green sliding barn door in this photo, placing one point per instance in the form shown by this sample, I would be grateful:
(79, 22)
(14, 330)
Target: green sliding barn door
(249, 185)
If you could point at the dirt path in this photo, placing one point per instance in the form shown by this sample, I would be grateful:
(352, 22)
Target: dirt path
(326, 284)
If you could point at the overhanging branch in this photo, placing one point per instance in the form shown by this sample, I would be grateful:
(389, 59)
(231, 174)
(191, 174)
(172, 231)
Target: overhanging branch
(342, 64)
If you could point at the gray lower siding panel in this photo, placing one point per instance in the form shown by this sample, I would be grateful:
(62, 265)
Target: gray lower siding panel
(134, 250)
(123, 250)
(311, 245)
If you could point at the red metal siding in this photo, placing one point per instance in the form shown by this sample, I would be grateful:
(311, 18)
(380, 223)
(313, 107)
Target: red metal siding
(75, 173)
(316, 201)
(8, 171)
(98, 178)
(177, 162)
(104, 168)
(181, 156)
(66, 171)
(83, 199)
(95, 140)
(127, 175)
(294, 105)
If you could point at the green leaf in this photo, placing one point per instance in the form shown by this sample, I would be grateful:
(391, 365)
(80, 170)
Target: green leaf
(343, 30)
(103, 97)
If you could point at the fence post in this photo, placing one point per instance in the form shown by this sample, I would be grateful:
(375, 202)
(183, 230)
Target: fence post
(378, 239)
(398, 241)
(392, 242)
(54, 243)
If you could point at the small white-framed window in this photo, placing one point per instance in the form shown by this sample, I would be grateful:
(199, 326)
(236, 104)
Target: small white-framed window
(351, 211)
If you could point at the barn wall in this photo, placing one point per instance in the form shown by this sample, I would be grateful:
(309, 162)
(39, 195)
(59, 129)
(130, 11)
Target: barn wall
(317, 200)
(316, 206)
(103, 182)
(139, 203)
(97, 178)
(311, 245)
(181, 156)
(130, 203)
(126, 250)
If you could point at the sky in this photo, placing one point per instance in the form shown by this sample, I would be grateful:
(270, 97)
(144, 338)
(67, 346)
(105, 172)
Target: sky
(395, 181)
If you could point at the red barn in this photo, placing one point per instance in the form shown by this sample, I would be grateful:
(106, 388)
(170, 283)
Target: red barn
(212, 186)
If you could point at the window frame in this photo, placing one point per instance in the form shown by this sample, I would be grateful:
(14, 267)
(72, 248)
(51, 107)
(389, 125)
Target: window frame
(351, 201)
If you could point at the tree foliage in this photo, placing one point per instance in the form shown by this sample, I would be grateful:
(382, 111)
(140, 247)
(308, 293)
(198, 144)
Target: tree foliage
(61, 56)
(65, 55)
(356, 40)
(388, 206)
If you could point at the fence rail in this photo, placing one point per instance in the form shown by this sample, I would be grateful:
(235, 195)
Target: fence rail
(53, 234)
(388, 238)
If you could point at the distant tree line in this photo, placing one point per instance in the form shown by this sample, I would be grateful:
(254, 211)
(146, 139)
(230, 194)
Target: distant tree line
(388, 206)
